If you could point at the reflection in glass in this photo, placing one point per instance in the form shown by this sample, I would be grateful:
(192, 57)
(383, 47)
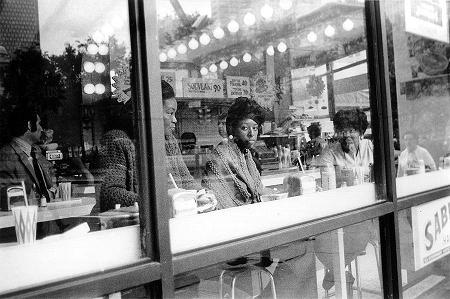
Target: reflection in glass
(418, 67)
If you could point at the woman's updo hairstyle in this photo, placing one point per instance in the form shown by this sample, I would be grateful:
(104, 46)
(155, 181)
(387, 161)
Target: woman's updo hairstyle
(354, 118)
(167, 90)
(244, 108)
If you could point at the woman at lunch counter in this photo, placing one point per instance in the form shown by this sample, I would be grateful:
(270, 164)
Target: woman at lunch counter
(231, 172)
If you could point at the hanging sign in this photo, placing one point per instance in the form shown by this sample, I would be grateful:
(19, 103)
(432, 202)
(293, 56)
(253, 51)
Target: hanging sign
(238, 87)
(203, 88)
(263, 91)
(427, 18)
(431, 231)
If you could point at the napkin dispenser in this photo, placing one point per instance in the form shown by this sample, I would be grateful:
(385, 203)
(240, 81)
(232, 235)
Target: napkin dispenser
(12, 196)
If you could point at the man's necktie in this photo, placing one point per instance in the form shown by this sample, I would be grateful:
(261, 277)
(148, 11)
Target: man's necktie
(39, 175)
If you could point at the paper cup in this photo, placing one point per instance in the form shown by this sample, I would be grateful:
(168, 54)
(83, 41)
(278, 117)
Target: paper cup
(65, 191)
(183, 202)
(25, 219)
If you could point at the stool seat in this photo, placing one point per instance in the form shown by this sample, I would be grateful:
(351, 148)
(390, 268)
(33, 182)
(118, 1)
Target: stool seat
(236, 271)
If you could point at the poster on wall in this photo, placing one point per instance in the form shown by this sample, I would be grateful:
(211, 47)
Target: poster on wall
(431, 231)
(238, 87)
(203, 88)
(263, 91)
(427, 18)
(170, 78)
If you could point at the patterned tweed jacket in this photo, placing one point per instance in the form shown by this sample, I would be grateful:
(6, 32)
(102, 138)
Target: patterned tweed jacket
(118, 159)
(233, 176)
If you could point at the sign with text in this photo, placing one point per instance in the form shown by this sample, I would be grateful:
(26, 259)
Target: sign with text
(238, 87)
(203, 88)
(431, 231)
(169, 77)
(427, 18)
(264, 91)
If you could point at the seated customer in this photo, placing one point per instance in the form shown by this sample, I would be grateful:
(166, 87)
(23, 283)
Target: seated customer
(175, 163)
(21, 159)
(118, 161)
(413, 153)
(232, 173)
(350, 152)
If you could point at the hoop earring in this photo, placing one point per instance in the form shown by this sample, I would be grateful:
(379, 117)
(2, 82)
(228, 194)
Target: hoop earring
(230, 137)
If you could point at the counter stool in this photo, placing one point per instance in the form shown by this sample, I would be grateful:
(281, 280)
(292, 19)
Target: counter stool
(235, 272)
(358, 287)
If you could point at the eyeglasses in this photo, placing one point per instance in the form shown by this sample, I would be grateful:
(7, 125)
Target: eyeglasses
(347, 132)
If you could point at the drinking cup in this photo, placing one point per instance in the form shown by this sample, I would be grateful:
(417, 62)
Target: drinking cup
(65, 191)
(25, 219)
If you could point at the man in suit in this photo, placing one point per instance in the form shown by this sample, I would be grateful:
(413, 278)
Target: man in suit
(22, 160)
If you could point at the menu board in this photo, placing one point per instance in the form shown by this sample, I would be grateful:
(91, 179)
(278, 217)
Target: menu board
(203, 88)
(264, 91)
(238, 87)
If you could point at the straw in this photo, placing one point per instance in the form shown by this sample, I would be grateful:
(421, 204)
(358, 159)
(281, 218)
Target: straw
(24, 193)
(172, 180)
(301, 165)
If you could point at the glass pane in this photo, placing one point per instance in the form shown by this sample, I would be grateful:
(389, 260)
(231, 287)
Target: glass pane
(67, 142)
(419, 51)
(424, 248)
(263, 101)
(308, 268)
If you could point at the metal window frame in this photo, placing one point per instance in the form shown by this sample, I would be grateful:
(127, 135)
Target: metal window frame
(159, 268)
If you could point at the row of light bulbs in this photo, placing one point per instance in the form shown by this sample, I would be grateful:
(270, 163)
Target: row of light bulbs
(204, 39)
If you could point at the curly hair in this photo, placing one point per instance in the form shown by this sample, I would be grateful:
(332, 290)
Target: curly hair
(244, 108)
(167, 90)
(314, 130)
(354, 118)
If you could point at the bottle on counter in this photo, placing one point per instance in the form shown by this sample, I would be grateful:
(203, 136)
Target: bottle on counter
(328, 175)
(421, 166)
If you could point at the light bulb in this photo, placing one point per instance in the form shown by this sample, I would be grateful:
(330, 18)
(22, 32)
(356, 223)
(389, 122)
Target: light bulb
(99, 88)
(103, 49)
(218, 32)
(204, 71)
(98, 37)
(285, 4)
(204, 39)
(234, 61)
(233, 26)
(92, 49)
(193, 44)
(213, 68)
(89, 88)
(162, 57)
(312, 37)
(270, 51)
(99, 67)
(266, 12)
(282, 47)
(223, 65)
(88, 67)
(172, 53)
(347, 25)
(247, 57)
(182, 49)
(330, 31)
(249, 19)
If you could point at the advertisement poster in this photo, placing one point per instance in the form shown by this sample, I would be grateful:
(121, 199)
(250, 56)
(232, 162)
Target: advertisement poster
(170, 78)
(427, 18)
(203, 88)
(431, 231)
(238, 87)
(264, 91)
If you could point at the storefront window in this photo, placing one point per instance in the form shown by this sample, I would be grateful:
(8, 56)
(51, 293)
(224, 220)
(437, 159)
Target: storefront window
(343, 263)
(266, 112)
(418, 52)
(69, 171)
